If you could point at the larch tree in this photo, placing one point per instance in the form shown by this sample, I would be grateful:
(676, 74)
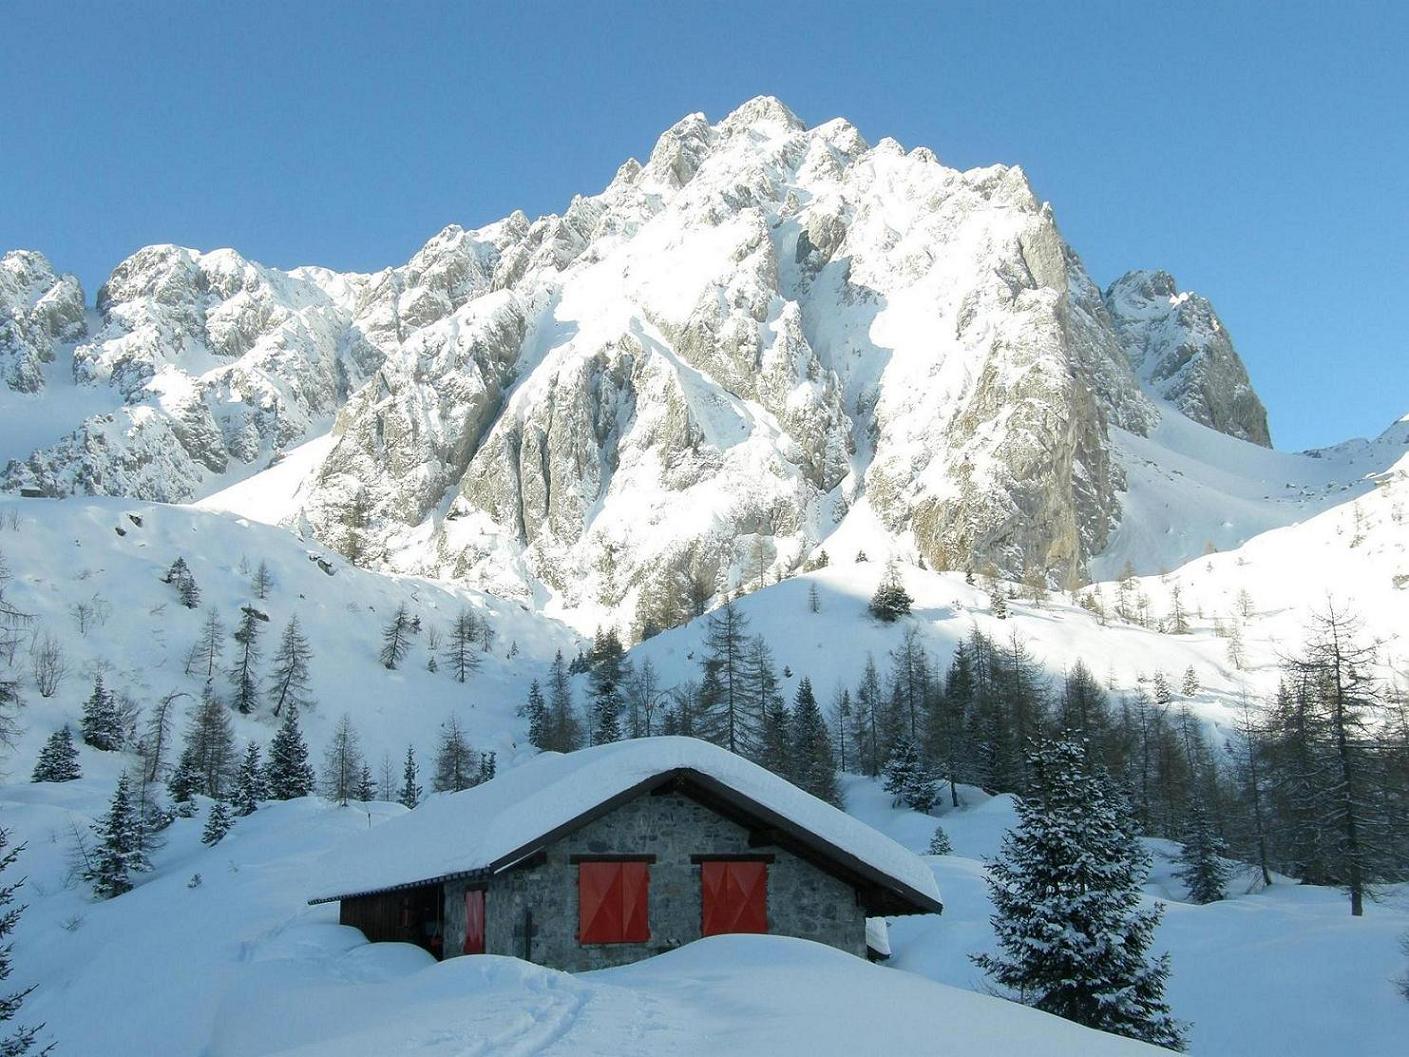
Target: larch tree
(244, 673)
(204, 656)
(342, 763)
(461, 657)
(288, 675)
(729, 717)
(396, 638)
(457, 765)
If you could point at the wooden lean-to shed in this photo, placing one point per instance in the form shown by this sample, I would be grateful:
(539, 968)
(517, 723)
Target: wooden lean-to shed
(617, 852)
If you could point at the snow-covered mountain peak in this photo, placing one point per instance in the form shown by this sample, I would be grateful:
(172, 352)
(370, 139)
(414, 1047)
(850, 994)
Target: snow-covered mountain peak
(1183, 353)
(39, 310)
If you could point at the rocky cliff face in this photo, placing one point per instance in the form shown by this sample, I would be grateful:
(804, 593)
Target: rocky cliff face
(39, 309)
(679, 386)
(1181, 350)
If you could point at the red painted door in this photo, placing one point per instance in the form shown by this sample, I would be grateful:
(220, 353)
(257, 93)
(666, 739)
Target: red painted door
(733, 897)
(474, 921)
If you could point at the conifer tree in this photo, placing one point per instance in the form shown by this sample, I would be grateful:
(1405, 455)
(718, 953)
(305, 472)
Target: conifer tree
(119, 851)
(461, 657)
(365, 788)
(101, 726)
(564, 731)
(456, 763)
(1202, 868)
(217, 823)
(205, 655)
(288, 676)
(58, 760)
(997, 601)
(605, 677)
(1190, 686)
(488, 767)
(396, 638)
(244, 672)
(775, 748)
(729, 716)
(19, 1041)
(939, 843)
(410, 794)
(179, 576)
(890, 601)
(1073, 938)
(872, 751)
(262, 582)
(814, 601)
(343, 763)
(288, 774)
(907, 779)
(183, 784)
(536, 709)
(249, 785)
(813, 766)
(209, 752)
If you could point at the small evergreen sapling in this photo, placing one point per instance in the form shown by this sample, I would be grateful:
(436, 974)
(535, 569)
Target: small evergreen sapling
(939, 843)
(891, 601)
(217, 823)
(58, 760)
(410, 794)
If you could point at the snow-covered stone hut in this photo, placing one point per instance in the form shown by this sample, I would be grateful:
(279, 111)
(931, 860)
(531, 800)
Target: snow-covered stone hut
(618, 852)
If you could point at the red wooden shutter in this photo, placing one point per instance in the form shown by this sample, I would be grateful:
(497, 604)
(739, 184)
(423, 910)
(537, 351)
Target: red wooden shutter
(733, 897)
(612, 902)
(474, 921)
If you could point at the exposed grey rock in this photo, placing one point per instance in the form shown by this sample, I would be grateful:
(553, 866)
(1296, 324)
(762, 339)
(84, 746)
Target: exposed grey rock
(1181, 350)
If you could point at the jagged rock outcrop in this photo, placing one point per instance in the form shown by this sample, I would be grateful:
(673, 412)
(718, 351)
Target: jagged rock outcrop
(1181, 350)
(39, 309)
(678, 386)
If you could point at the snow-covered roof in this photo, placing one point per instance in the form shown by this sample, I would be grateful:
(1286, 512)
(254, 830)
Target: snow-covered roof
(492, 826)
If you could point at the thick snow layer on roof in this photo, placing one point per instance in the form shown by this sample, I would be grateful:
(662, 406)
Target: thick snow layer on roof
(470, 830)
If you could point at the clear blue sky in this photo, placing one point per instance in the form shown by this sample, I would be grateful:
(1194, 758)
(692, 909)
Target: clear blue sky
(1258, 152)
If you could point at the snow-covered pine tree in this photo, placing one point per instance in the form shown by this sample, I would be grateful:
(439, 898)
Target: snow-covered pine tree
(288, 774)
(410, 794)
(814, 600)
(217, 823)
(1072, 936)
(244, 678)
(461, 657)
(58, 761)
(890, 601)
(1190, 686)
(997, 601)
(21, 1040)
(939, 843)
(488, 767)
(901, 770)
(179, 576)
(204, 656)
(249, 784)
(288, 675)
(101, 725)
(118, 854)
(814, 769)
(1201, 866)
(183, 784)
(536, 709)
(604, 680)
(456, 763)
(343, 763)
(396, 638)
(210, 746)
